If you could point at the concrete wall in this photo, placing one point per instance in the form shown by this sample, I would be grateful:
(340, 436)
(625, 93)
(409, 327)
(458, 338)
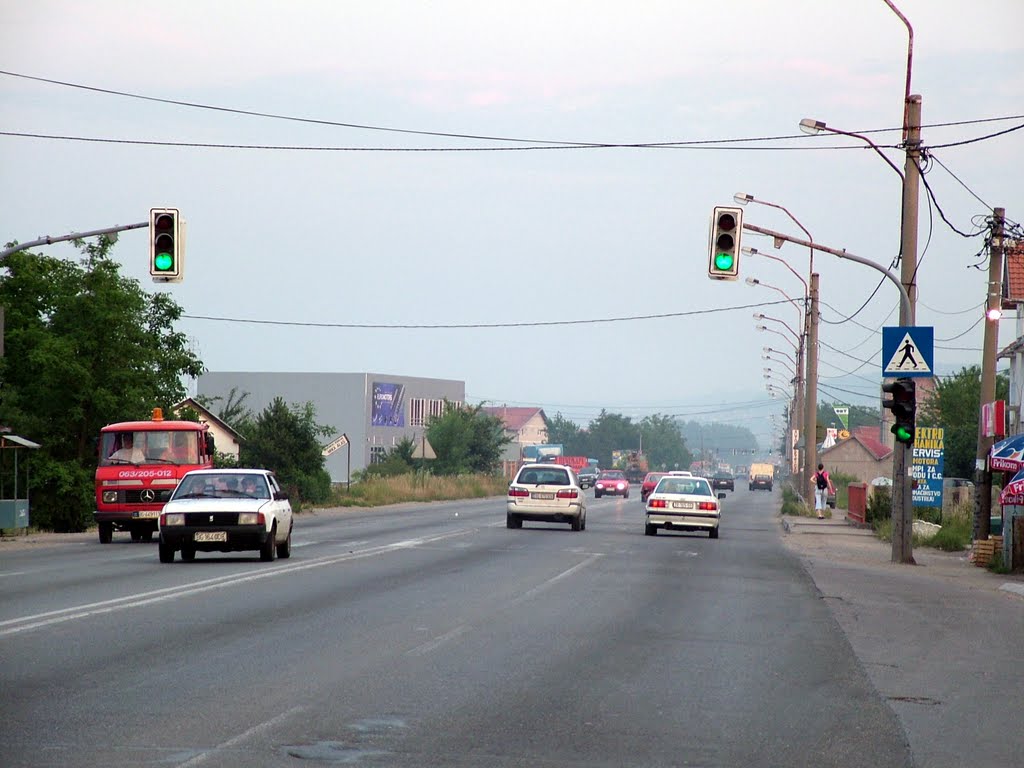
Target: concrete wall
(342, 401)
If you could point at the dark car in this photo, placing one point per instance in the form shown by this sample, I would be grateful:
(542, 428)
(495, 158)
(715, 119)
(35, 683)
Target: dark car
(723, 481)
(588, 476)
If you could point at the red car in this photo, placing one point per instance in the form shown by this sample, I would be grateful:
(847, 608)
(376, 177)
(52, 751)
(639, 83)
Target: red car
(612, 482)
(647, 487)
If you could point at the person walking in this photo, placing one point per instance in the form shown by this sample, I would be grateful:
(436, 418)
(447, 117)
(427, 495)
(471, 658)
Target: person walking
(822, 488)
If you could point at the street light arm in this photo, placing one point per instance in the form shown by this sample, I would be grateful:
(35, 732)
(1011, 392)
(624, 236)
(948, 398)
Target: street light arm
(754, 252)
(808, 125)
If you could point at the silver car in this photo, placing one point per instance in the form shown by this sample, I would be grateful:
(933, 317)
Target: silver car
(548, 493)
(683, 504)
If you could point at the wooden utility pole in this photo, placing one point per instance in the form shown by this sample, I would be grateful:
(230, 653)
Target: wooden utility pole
(993, 302)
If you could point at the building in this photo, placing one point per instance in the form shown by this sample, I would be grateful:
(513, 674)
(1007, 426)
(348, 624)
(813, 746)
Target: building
(225, 439)
(863, 455)
(373, 411)
(1013, 298)
(523, 426)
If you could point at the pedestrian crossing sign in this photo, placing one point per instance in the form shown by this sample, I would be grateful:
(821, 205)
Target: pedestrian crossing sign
(908, 351)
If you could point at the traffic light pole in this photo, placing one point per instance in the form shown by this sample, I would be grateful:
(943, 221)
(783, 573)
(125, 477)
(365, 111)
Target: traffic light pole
(73, 236)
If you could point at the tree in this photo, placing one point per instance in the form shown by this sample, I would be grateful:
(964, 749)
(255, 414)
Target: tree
(955, 405)
(612, 432)
(859, 416)
(286, 439)
(466, 440)
(84, 347)
(567, 433)
(663, 443)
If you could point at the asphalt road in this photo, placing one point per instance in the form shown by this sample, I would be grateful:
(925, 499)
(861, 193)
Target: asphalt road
(431, 635)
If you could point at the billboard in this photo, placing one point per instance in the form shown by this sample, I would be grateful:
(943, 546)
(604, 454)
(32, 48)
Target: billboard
(388, 408)
(926, 470)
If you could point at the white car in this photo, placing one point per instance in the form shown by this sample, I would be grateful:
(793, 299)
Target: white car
(548, 493)
(226, 510)
(680, 503)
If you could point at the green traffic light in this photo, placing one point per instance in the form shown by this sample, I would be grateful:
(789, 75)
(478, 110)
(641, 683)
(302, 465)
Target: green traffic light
(903, 435)
(163, 262)
(723, 261)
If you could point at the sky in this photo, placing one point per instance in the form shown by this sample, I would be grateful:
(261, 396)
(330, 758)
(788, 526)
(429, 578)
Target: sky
(355, 212)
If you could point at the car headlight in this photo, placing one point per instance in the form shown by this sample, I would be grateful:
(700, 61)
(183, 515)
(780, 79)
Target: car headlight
(172, 518)
(109, 497)
(248, 518)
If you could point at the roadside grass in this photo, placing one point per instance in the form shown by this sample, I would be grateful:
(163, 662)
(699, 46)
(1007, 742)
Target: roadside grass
(954, 536)
(793, 505)
(416, 486)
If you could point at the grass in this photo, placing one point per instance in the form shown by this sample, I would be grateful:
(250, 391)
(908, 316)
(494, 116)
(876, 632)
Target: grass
(793, 505)
(419, 486)
(954, 536)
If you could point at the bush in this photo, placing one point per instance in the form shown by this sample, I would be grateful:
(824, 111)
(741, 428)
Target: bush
(929, 514)
(792, 504)
(879, 506)
(842, 481)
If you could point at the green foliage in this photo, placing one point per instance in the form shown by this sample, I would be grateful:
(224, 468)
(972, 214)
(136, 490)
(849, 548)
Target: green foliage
(879, 506)
(374, 491)
(792, 503)
(84, 347)
(466, 440)
(286, 439)
(842, 481)
(955, 405)
(399, 461)
(860, 416)
(954, 536)
(659, 435)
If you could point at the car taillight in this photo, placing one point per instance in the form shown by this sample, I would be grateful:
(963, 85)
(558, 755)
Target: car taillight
(658, 503)
(568, 493)
(708, 506)
(518, 492)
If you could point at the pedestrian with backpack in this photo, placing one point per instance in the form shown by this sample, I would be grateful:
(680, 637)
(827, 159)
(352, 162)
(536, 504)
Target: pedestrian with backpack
(822, 488)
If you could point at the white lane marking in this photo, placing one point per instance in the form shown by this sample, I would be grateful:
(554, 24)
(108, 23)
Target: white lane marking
(235, 741)
(437, 642)
(25, 623)
(553, 580)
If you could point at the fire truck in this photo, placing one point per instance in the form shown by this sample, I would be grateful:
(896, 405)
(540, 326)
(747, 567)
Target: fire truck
(140, 464)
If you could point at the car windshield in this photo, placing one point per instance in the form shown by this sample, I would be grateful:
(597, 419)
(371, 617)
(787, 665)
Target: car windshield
(544, 476)
(223, 485)
(692, 486)
(613, 474)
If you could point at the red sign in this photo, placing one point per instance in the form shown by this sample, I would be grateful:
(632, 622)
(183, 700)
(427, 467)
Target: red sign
(993, 419)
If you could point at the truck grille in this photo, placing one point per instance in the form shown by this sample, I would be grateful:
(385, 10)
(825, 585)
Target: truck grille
(135, 497)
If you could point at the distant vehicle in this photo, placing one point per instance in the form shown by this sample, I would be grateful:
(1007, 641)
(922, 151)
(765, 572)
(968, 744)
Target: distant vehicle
(723, 481)
(226, 510)
(683, 504)
(648, 484)
(636, 466)
(547, 493)
(762, 476)
(612, 482)
(587, 476)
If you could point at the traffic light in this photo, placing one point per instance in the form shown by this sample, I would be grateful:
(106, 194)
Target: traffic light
(903, 404)
(724, 245)
(166, 245)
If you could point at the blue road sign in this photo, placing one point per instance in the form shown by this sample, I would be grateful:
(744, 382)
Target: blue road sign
(908, 350)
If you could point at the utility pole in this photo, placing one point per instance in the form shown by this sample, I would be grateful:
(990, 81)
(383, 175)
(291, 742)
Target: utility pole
(811, 391)
(902, 458)
(993, 302)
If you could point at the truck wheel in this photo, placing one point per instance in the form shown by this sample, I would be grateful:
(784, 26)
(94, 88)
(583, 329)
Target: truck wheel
(106, 533)
(166, 552)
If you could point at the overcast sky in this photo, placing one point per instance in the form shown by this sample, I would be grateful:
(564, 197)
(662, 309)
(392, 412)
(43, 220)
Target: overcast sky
(347, 229)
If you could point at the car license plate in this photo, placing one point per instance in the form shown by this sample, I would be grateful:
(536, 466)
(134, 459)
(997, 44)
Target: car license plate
(147, 514)
(542, 495)
(682, 505)
(210, 536)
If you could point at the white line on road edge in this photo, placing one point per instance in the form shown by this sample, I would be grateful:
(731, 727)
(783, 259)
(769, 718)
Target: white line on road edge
(201, 758)
(25, 623)
(437, 642)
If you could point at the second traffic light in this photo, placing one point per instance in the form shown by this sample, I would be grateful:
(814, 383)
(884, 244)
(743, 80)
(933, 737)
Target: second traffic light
(166, 245)
(724, 245)
(903, 404)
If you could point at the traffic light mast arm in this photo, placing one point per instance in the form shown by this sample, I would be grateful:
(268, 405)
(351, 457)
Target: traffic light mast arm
(73, 236)
(904, 296)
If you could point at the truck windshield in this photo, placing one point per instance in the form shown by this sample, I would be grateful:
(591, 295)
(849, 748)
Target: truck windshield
(149, 447)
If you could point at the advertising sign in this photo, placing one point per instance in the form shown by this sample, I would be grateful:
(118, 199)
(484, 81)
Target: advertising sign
(388, 405)
(843, 412)
(926, 470)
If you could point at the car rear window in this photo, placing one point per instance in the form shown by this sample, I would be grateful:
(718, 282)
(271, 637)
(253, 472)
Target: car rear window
(688, 485)
(544, 477)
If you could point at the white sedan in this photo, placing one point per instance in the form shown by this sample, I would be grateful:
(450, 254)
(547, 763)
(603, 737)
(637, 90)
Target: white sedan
(681, 503)
(546, 492)
(226, 510)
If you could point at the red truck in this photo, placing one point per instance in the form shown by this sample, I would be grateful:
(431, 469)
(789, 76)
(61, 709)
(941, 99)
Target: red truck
(575, 462)
(140, 464)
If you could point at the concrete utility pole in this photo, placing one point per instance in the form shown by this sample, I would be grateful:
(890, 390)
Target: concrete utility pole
(993, 302)
(811, 390)
(902, 460)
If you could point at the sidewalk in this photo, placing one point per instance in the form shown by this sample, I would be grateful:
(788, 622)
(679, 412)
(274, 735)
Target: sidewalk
(942, 641)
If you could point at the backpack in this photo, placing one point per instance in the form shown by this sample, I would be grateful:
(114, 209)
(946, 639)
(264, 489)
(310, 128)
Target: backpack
(822, 480)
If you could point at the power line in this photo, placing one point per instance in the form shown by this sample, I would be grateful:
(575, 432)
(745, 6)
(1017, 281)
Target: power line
(448, 326)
